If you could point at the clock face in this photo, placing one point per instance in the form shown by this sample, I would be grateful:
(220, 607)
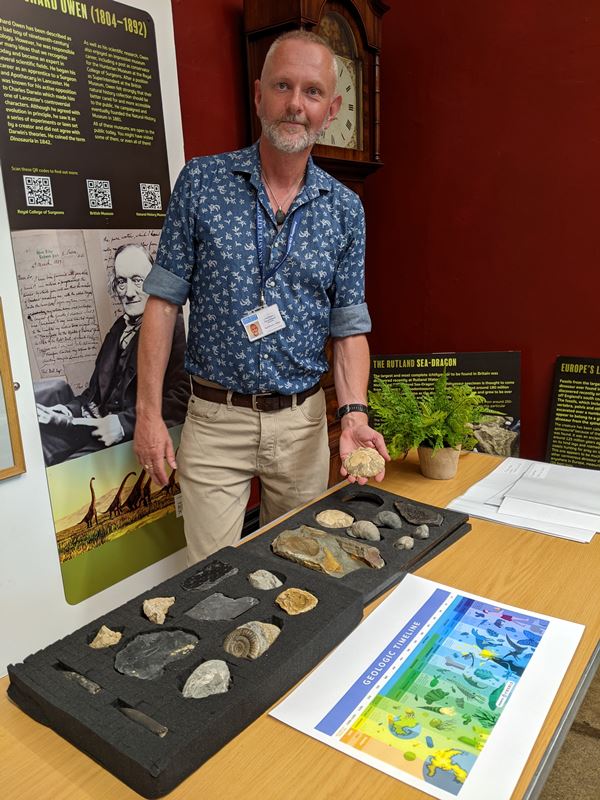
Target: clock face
(344, 131)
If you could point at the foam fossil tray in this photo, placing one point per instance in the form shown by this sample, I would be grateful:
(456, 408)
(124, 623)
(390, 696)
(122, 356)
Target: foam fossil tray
(363, 502)
(149, 763)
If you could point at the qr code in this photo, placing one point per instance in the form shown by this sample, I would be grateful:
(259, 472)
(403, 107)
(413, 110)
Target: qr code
(38, 190)
(99, 194)
(150, 196)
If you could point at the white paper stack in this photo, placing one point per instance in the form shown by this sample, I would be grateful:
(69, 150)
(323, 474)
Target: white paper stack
(549, 498)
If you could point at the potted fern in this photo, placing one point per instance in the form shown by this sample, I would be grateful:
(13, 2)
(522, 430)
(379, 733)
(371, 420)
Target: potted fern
(437, 423)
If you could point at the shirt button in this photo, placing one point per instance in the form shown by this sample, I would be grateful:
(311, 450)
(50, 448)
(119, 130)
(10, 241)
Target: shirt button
(271, 282)
(265, 355)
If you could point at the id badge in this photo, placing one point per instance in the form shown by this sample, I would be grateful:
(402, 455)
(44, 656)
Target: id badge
(262, 322)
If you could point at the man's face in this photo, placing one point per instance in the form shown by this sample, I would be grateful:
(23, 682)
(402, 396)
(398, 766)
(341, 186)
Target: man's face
(295, 96)
(254, 330)
(131, 267)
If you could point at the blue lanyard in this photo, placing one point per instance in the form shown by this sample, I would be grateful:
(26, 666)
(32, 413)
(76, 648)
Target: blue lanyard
(260, 245)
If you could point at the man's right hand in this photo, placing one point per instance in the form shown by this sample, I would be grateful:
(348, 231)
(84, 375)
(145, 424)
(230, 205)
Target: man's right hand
(153, 446)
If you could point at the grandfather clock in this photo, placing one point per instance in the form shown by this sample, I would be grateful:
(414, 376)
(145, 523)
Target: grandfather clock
(349, 149)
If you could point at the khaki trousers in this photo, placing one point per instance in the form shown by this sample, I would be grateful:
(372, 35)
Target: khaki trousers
(223, 447)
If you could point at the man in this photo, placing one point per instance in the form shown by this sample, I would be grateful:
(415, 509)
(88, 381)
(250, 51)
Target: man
(263, 235)
(104, 414)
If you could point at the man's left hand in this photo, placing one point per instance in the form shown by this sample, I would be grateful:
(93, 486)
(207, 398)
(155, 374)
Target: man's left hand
(355, 436)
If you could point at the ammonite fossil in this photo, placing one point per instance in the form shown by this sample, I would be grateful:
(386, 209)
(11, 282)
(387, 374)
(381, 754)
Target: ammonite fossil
(250, 640)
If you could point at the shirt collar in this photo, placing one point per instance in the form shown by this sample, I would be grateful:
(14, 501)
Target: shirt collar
(248, 163)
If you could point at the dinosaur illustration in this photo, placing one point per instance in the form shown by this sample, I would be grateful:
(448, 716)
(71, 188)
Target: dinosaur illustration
(146, 496)
(134, 498)
(91, 514)
(116, 507)
(171, 486)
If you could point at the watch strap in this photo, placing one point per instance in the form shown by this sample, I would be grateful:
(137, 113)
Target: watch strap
(349, 407)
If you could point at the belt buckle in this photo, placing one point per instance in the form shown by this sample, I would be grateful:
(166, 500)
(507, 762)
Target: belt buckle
(263, 402)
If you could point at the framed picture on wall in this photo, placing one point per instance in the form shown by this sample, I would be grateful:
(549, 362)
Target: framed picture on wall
(12, 461)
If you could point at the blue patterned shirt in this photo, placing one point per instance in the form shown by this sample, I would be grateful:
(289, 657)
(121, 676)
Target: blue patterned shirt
(208, 254)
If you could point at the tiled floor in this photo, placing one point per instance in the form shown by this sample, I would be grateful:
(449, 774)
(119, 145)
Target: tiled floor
(576, 771)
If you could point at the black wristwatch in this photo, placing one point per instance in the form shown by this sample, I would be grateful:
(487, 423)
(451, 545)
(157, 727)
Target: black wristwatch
(349, 407)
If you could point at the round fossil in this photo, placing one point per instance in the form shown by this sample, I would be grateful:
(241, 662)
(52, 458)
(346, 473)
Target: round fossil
(263, 579)
(363, 529)
(388, 519)
(404, 543)
(364, 463)
(422, 532)
(296, 601)
(332, 518)
(250, 640)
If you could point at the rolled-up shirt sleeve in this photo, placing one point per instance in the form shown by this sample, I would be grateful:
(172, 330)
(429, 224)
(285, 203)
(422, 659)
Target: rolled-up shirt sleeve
(349, 314)
(171, 274)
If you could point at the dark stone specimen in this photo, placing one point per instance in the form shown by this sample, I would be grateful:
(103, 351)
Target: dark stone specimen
(146, 656)
(207, 577)
(418, 515)
(144, 720)
(219, 606)
(86, 683)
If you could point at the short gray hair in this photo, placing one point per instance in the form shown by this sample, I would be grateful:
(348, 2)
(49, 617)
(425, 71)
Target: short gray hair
(303, 36)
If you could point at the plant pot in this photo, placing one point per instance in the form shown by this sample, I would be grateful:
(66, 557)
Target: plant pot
(439, 465)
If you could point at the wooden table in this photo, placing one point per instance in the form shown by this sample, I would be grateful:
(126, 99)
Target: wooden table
(271, 761)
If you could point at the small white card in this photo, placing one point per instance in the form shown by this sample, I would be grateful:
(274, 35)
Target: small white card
(262, 322)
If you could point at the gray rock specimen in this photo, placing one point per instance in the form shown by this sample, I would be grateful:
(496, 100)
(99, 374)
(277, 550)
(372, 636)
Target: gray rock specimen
(324, 552)
(208, 576)
(155, 608)
(211, 677)
(493, 437)
(105, 638)
(144, 720)
(251, 640)
(363, 529)
(219, 606)
(146, 656)
(332, 518)
(422, 532)
(404, 543)
(387, 519)
(86, 683)
(263, 579)
(365, 462)
(296, 601)
(418, 515)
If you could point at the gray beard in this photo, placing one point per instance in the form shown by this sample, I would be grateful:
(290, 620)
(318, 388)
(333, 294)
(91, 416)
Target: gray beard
(288, 145)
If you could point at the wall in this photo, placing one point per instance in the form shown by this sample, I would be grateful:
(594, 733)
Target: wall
(34, 610)
(482, 224)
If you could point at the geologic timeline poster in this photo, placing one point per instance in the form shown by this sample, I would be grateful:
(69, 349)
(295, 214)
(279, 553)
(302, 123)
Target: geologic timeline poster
(85, 172)
(441, 689)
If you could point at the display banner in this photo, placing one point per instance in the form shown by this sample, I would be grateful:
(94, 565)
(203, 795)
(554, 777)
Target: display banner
(574, 429)
(85, 171)
(495, 375)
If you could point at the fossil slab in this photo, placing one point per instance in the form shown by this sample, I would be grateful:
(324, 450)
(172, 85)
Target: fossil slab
(363, 529)
(422, 532)
(211, 677)
(251, 640)
(417, 515)
(219, 606)
(296, 601)
(388, 519)
(208, 576)
(404, 543)
(105, 638)
(263, 579)
(147, 655)
(324, 552)
(332, 518)
(365, 462)
(155, 608)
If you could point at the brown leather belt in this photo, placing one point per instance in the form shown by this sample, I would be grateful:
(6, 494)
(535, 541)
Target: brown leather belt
(258, 402)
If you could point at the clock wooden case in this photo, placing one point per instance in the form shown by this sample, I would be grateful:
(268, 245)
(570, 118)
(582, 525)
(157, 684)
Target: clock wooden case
(349, 149)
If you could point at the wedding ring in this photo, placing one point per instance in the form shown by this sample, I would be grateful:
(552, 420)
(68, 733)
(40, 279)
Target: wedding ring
(145, 466)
